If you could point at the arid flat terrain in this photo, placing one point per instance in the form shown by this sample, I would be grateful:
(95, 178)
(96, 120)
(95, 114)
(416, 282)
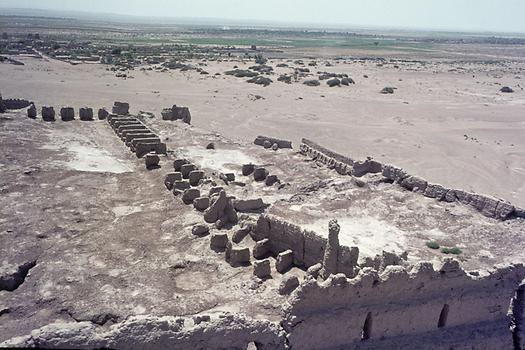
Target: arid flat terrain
(446, 121)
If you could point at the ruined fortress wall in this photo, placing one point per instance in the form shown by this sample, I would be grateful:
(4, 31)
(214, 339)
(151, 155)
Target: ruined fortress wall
(421, 309)
(325, 151)
(226, 331)
(16, 103)
(307, 246)
(488, 206)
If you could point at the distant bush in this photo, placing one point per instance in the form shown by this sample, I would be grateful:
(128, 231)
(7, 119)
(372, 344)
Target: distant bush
(454, 250)
(432, 245)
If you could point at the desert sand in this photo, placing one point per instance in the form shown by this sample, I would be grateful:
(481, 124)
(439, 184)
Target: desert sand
(446, 121)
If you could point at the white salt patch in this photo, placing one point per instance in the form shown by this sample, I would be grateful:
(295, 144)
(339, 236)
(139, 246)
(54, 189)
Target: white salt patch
(89, 158)
(220, 160)
(371, 235)
(125, 210)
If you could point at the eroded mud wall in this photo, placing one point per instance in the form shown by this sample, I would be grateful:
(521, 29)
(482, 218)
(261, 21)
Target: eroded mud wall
(420, 309)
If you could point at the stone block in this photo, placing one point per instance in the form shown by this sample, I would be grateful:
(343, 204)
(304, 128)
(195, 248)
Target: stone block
(284, 261)
(201, 203)
(261, 249)
(259, 174)
(219, 241)
(195, 176)
(262, 269)
(190, 195)
(186, 169)
(200, 230)
(151, 160)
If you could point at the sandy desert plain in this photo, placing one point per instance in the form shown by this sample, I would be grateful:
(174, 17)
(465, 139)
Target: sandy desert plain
(95, 252)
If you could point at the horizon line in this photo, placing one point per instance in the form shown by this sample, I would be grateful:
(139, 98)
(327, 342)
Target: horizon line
(260, 22)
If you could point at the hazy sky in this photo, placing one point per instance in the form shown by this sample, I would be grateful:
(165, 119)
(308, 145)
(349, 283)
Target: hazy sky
(478, 15)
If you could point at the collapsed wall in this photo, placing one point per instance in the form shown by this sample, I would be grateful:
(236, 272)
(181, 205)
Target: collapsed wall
(227, 331)
(488, 206)
(177, 113)
(15, 103)
(420, 309)
(307, 246)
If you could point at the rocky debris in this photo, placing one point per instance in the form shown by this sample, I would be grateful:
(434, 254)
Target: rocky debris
(262, 269)
(12, 276)
(190, 195)
(314, 270)
(195, 176)
(326, 75)
(181, 185)
(15, 103)
(275, 147)
(178, 163)
(227, 178)
(247, 205)
(219, 241)
(242, 73)
(167, 114)
(435, 191)
(333, 82)
(259, 80)
(86, 114)
(177, 113)
(312, 82)
(170, 179)
(260, 174)
(186, 169)
(221, 208)
(368, 166)
(210, 145)
(331, 251)
(506, 89)
(347, 81)
(152, 160)
(120, 108)
(67, 113)
(144, 147)
(227, 331)
(198, 319)
(237, 256)
(262, 68)
(388, 90)
(240, 234)
(247, 169)
(200, 230)
(271, 180)
(102, 114)
(414, 183)
(288, 285)
(285, 79)
(268, 142)
(201, 203)
(261, 249)
(284, 261)
(215, 190)
(145, 114)
(31, 111)
(48, 114)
